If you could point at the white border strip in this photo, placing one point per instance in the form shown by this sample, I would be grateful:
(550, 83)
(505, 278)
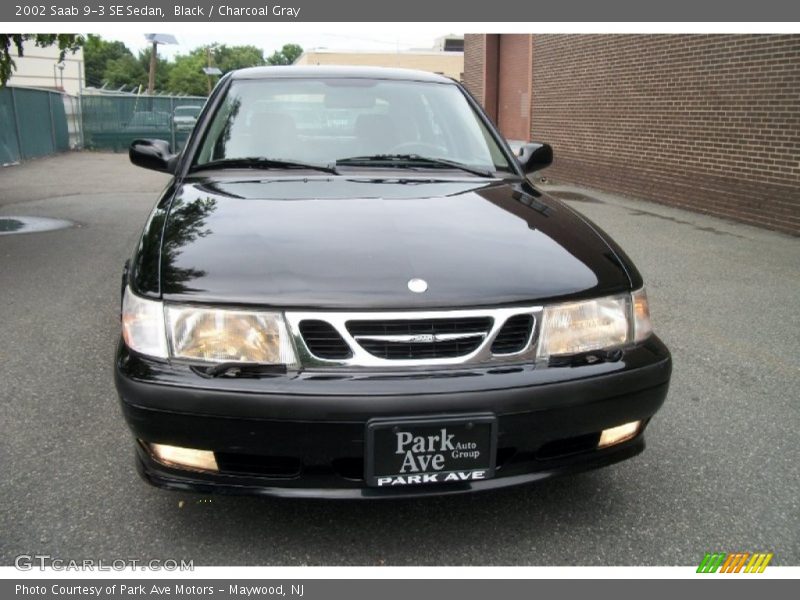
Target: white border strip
(110, 29)
(306, 572)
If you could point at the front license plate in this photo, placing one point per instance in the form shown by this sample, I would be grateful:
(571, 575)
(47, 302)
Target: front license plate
(417, 451)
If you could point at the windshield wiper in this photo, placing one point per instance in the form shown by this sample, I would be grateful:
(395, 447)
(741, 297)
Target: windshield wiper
(404, 160)
(262, 162)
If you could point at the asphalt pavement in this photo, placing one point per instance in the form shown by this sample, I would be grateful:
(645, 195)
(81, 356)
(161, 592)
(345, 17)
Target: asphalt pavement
(721, 471)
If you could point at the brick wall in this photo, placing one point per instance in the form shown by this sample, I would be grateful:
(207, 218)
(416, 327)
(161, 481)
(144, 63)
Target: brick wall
(710, 123)
(514, 86)
(474, 49)
(705, 122)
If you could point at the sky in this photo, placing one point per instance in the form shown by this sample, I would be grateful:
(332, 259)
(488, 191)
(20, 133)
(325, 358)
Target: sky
(385, 37)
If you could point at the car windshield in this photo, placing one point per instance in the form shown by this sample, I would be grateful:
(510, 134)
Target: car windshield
(326, 121)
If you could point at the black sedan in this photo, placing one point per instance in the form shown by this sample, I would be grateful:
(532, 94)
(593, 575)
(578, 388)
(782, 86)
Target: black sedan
(351, 289)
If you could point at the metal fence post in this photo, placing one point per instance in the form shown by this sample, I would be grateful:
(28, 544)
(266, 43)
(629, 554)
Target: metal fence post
(79, 123)
(16, 123)
(52, 122)
(172, 120)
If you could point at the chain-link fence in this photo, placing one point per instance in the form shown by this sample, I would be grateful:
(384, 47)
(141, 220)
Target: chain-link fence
(33, 123)
(112, 122)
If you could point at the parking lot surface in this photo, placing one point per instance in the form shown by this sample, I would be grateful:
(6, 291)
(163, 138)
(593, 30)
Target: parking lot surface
(721, 471)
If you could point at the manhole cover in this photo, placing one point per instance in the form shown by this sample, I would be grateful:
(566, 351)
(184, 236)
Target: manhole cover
(574, 196)
(12, 225)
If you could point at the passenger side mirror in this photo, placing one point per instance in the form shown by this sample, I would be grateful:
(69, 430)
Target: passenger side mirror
(153, 154)
(535, 157)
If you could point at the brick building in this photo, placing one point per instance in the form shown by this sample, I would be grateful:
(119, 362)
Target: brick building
(704, 122)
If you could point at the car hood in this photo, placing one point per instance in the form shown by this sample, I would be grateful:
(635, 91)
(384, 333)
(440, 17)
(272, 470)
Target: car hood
(349, 242)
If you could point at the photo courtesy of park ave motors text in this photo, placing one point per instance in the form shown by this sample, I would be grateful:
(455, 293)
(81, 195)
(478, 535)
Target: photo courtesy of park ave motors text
(282, 298)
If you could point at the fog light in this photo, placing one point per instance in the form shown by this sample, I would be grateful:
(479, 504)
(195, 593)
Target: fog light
(175, 456)
(617, 435)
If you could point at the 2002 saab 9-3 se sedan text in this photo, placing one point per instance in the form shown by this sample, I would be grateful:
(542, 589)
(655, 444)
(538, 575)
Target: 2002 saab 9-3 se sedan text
(350, 289)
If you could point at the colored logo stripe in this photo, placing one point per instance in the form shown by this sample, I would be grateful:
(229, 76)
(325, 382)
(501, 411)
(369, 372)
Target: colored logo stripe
(735, 562)
(711, 562)
(758, 563)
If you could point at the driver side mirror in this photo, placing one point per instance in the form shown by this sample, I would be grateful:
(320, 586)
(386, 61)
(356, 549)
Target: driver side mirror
(535, 157)
(153, 154)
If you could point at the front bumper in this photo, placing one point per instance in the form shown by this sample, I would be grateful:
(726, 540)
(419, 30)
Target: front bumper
(303, 435)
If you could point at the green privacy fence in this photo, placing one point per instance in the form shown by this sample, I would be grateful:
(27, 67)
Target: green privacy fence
(112, 122)
(33, 123)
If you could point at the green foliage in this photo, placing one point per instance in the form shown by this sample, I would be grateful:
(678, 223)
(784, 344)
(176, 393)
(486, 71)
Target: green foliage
(163, 68)
(229, 58)
(286, 55)
(67, 42)
(112, 63)
(97, 54)
(124, 71)
(186, 75)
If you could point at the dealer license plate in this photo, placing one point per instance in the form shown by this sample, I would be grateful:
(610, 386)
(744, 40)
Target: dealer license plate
(416, 451)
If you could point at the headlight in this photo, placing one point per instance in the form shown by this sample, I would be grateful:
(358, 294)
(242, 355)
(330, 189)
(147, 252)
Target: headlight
(584, 326)
(205, 334)
(218, 336)
(579, 327)
(642, 327)
(143, 325)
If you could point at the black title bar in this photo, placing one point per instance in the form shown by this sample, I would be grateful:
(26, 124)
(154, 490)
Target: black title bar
(18, 11)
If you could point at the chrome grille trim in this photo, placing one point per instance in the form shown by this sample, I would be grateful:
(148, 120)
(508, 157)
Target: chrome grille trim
(420, 338)
(360, 358)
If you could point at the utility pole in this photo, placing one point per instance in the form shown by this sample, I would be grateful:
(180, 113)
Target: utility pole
(151, 81)
(155, 39)
(208, 60)
(209, 70)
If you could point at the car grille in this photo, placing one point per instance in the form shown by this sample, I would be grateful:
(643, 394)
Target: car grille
(514, 335)
(414, 338)
(408, 339)
(323, 340)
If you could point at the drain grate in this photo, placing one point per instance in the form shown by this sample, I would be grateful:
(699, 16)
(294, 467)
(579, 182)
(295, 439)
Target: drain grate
(12, 225)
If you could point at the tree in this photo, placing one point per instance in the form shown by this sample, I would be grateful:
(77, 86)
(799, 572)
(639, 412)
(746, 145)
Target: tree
(97, 54)
(124, 71)
(112, 63)
(163, 68)
(67, 42)
(229, 58)
(286, 55)
(186, 75)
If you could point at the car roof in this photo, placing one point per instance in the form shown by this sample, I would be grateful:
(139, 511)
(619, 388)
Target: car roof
(335, 72)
